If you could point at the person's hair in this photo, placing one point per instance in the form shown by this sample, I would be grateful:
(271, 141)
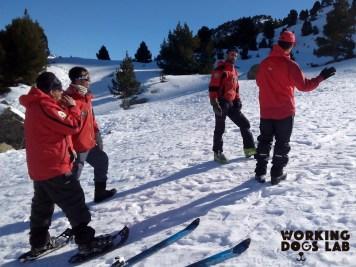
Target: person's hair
(285, 45)
(231, 49)
(47, 81)
(76, 72)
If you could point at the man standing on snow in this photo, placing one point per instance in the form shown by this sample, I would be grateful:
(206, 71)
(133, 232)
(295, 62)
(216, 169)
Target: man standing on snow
(49, 152)
(277, 77)
(225, 99)
(87, 142)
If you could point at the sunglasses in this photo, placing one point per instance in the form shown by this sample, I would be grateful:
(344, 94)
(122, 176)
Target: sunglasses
(84, 78)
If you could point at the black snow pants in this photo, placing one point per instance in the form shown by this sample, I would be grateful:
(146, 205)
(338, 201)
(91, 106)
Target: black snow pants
(281, 130)
(96, 158)
(233, 111)
(66, 192)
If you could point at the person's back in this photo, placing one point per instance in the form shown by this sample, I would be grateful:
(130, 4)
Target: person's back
(276, 93)
(277, 77)
(47, 133)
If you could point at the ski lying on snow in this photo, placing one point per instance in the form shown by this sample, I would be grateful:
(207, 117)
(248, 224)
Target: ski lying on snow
(223, 255)
(155, 248)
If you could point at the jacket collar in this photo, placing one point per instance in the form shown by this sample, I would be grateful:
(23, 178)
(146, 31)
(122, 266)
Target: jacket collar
(277, 51)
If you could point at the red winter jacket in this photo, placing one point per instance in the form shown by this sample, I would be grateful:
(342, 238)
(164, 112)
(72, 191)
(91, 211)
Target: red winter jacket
(48, 127)
(277, 77)
(84, 140)
(224, 82)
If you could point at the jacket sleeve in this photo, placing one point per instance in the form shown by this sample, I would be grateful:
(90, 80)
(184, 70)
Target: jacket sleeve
(64, 121)
(215, 83)
(300, 81)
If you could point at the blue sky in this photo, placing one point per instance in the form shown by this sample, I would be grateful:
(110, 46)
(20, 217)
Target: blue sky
(80, 28)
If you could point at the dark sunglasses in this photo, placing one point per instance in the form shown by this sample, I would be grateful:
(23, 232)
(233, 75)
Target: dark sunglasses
(84, 78)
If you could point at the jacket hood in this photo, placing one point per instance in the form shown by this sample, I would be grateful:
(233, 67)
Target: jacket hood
(33, 96)
(277, 51)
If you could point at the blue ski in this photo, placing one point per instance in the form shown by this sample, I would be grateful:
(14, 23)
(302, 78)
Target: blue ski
(224, 255)
(148, 252)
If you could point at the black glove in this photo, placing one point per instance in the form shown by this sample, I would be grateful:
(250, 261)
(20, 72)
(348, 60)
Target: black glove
(99, 140)
(327, 72)
(216, 106)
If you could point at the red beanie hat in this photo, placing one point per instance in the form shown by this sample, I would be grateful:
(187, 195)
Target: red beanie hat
(287, 37)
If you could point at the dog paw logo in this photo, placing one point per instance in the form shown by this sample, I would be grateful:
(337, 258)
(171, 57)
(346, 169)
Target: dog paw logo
(301, 257)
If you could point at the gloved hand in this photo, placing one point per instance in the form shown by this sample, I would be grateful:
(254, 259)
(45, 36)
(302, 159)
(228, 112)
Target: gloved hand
(99, 140)
(327, 72)
(216, 106)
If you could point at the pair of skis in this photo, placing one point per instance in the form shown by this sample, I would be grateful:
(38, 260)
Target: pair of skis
(212, 260)
(121, 237)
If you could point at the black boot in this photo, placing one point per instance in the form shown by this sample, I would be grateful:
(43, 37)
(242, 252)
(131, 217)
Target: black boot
(101, 193)
(277, 175)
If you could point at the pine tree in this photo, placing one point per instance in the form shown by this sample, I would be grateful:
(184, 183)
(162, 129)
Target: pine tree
(352, 14)
(103, 54)
(338, 32)
(26, 49)
(268, 32)
(325, 3)
(205, 50)
(314, 11)
(177, 52)
(143, 55)
(307, 28)
(315, 30)
(263, 44)
(125, 83)
(2, 61)
(304, 14)
(292, 17)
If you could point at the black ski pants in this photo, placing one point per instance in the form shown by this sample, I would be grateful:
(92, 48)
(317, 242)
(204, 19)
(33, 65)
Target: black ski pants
(281, 130)
(233, 111)
(66, 192)
(96, 158)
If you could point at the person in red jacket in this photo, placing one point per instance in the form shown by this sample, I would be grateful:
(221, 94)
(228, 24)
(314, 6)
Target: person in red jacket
(50, 120)
(277, 78)
(87, 141)
(225, 99)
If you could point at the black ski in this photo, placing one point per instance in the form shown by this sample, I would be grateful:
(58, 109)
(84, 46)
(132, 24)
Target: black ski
(56, 243)
(166, 242)
(223, 255)
(119, 239)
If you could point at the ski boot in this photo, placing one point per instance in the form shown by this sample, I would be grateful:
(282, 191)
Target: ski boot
(249, 152)
(101, 193)
(220, 157)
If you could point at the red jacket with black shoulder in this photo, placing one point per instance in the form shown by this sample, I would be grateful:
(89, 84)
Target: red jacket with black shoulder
(224, 82)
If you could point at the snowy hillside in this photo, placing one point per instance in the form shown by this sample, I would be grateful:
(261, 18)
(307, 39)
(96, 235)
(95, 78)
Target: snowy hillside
(161, 164)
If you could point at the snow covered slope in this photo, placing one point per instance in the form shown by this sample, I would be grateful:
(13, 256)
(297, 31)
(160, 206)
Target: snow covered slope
(161, 164)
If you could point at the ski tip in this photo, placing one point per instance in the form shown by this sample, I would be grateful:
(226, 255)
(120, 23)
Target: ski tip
(242, 246)
(194, 223)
